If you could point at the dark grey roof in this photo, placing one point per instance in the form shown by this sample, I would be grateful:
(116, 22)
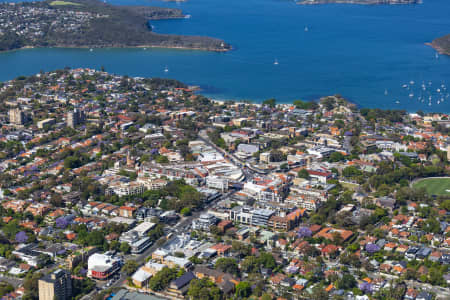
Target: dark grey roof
(183, 280)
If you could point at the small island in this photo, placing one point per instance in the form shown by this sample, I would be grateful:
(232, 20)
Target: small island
(367, 2)
(442, 44)
(91, 24)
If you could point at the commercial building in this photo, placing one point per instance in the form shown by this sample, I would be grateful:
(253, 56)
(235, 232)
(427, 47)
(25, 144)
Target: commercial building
(137, 238)
(241, 214)
(261, 217)
(102, 266)
(55, 286)
(204, 222)
(251, 216)
(216, 182)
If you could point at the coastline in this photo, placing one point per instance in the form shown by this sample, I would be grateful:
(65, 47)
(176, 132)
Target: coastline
(436, 45)
(121, 47)
(359, 2)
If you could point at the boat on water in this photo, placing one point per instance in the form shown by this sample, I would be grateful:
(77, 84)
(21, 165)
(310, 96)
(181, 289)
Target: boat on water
(166, 69)
(397, 102)
(275, 62)
(404, 86)
(411, 95)
(436, 55)
(411, 82)
(91, 50)
(385, 91)
(306, 29)
(187, 16)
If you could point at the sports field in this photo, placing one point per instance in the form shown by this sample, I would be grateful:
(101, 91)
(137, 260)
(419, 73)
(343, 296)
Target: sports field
(434, 186)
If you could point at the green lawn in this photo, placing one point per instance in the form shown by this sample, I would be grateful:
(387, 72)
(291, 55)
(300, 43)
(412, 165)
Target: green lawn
(55, 3)
(434, 186)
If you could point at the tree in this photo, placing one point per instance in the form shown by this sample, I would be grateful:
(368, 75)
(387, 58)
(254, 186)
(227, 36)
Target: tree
(243, 289)
(336, 156)
(72, 162)
(318, 293)
(270, 102)
(266, 297)
(204, 289)
(162, 279)
(303, 173)
(5, 288)
(95, 238)
(31, 285)
(61, 222)
(346, 282)
(267, 261)
(21, 237)
(161, 159)
(185, 211)
(130, 266)
(277, 155)
(227, 265)
(125, 248)
(250, 264)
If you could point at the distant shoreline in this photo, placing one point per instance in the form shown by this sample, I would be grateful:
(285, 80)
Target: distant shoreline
(119, 47)
(359, 2)
(108, 26)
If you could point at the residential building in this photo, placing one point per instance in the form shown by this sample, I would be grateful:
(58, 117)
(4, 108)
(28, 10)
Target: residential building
(55, 286)
(75, 118)
(17, 116)
(46, 122)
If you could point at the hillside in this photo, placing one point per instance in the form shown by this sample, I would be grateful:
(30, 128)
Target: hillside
(92, 24)
(442, 44)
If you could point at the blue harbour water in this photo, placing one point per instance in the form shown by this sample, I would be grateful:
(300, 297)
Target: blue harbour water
(365, 53)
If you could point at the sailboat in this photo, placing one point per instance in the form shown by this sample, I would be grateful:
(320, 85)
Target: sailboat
(275, 62)
(166, 69)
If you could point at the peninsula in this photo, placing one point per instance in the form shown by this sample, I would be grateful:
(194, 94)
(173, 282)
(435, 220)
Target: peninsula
(442, 44)
(367, 2)
(91, 24)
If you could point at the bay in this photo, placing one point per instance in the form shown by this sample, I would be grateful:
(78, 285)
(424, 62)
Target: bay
(365, 53)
